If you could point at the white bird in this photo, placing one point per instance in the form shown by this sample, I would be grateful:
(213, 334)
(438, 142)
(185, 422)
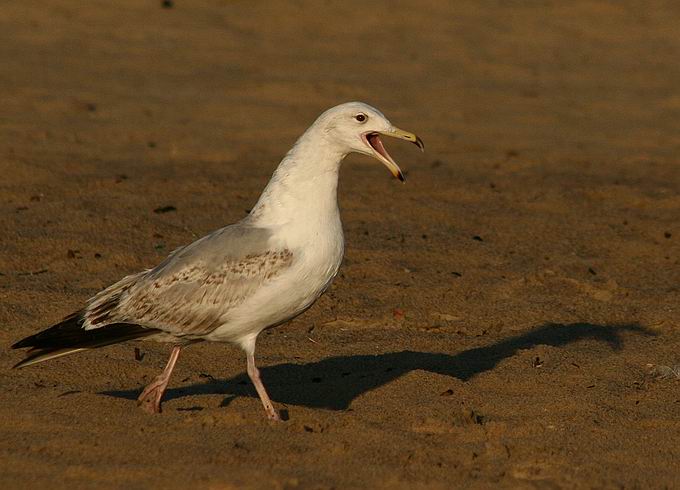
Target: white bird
(241, 279)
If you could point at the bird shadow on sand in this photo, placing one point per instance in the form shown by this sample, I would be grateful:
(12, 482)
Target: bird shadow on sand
(333, 383)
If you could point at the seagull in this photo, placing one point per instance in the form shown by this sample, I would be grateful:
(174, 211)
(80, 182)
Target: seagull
(234, 283)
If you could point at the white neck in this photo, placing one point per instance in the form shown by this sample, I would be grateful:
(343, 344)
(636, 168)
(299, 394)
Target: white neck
(304, 186)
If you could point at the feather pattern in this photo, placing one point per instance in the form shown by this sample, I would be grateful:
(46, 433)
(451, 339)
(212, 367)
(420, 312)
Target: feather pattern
(192, 292)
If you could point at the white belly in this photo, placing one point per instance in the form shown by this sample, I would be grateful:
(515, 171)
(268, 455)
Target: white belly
(286, 296)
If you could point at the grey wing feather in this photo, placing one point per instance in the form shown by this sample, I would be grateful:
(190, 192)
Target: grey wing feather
(191, 292)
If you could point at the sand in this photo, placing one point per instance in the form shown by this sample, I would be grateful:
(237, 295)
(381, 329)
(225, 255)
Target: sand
(499, 321)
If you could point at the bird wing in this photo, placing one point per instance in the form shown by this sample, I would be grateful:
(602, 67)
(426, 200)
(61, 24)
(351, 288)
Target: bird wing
(190, 293)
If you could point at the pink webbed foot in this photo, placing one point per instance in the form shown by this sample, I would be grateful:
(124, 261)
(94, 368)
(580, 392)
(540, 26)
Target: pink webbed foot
(150, 399)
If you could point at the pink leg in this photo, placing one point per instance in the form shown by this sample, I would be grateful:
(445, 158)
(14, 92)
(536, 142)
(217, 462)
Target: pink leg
(150, 399)
(254, 375)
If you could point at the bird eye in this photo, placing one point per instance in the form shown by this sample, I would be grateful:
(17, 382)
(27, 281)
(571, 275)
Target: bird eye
(360, 117)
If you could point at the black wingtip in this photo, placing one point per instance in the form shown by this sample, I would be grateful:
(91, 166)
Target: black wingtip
(89, 339)
(22, 343)
(19, 364)
(64, 333)
(69, 336)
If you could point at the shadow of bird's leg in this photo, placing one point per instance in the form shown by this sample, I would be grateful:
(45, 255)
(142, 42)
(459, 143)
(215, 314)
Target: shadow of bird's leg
(150, 399)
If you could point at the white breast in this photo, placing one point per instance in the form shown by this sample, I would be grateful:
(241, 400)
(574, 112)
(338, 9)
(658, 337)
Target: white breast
(317, 254)
(299, 208)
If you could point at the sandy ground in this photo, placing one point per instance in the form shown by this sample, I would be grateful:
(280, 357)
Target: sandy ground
(497, 320)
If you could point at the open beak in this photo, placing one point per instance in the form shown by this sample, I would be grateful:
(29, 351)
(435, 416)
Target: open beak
(375, 143)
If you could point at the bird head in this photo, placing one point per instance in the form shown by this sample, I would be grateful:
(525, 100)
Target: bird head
(357, 128)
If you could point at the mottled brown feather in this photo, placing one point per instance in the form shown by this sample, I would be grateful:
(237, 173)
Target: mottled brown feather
(192, 291)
